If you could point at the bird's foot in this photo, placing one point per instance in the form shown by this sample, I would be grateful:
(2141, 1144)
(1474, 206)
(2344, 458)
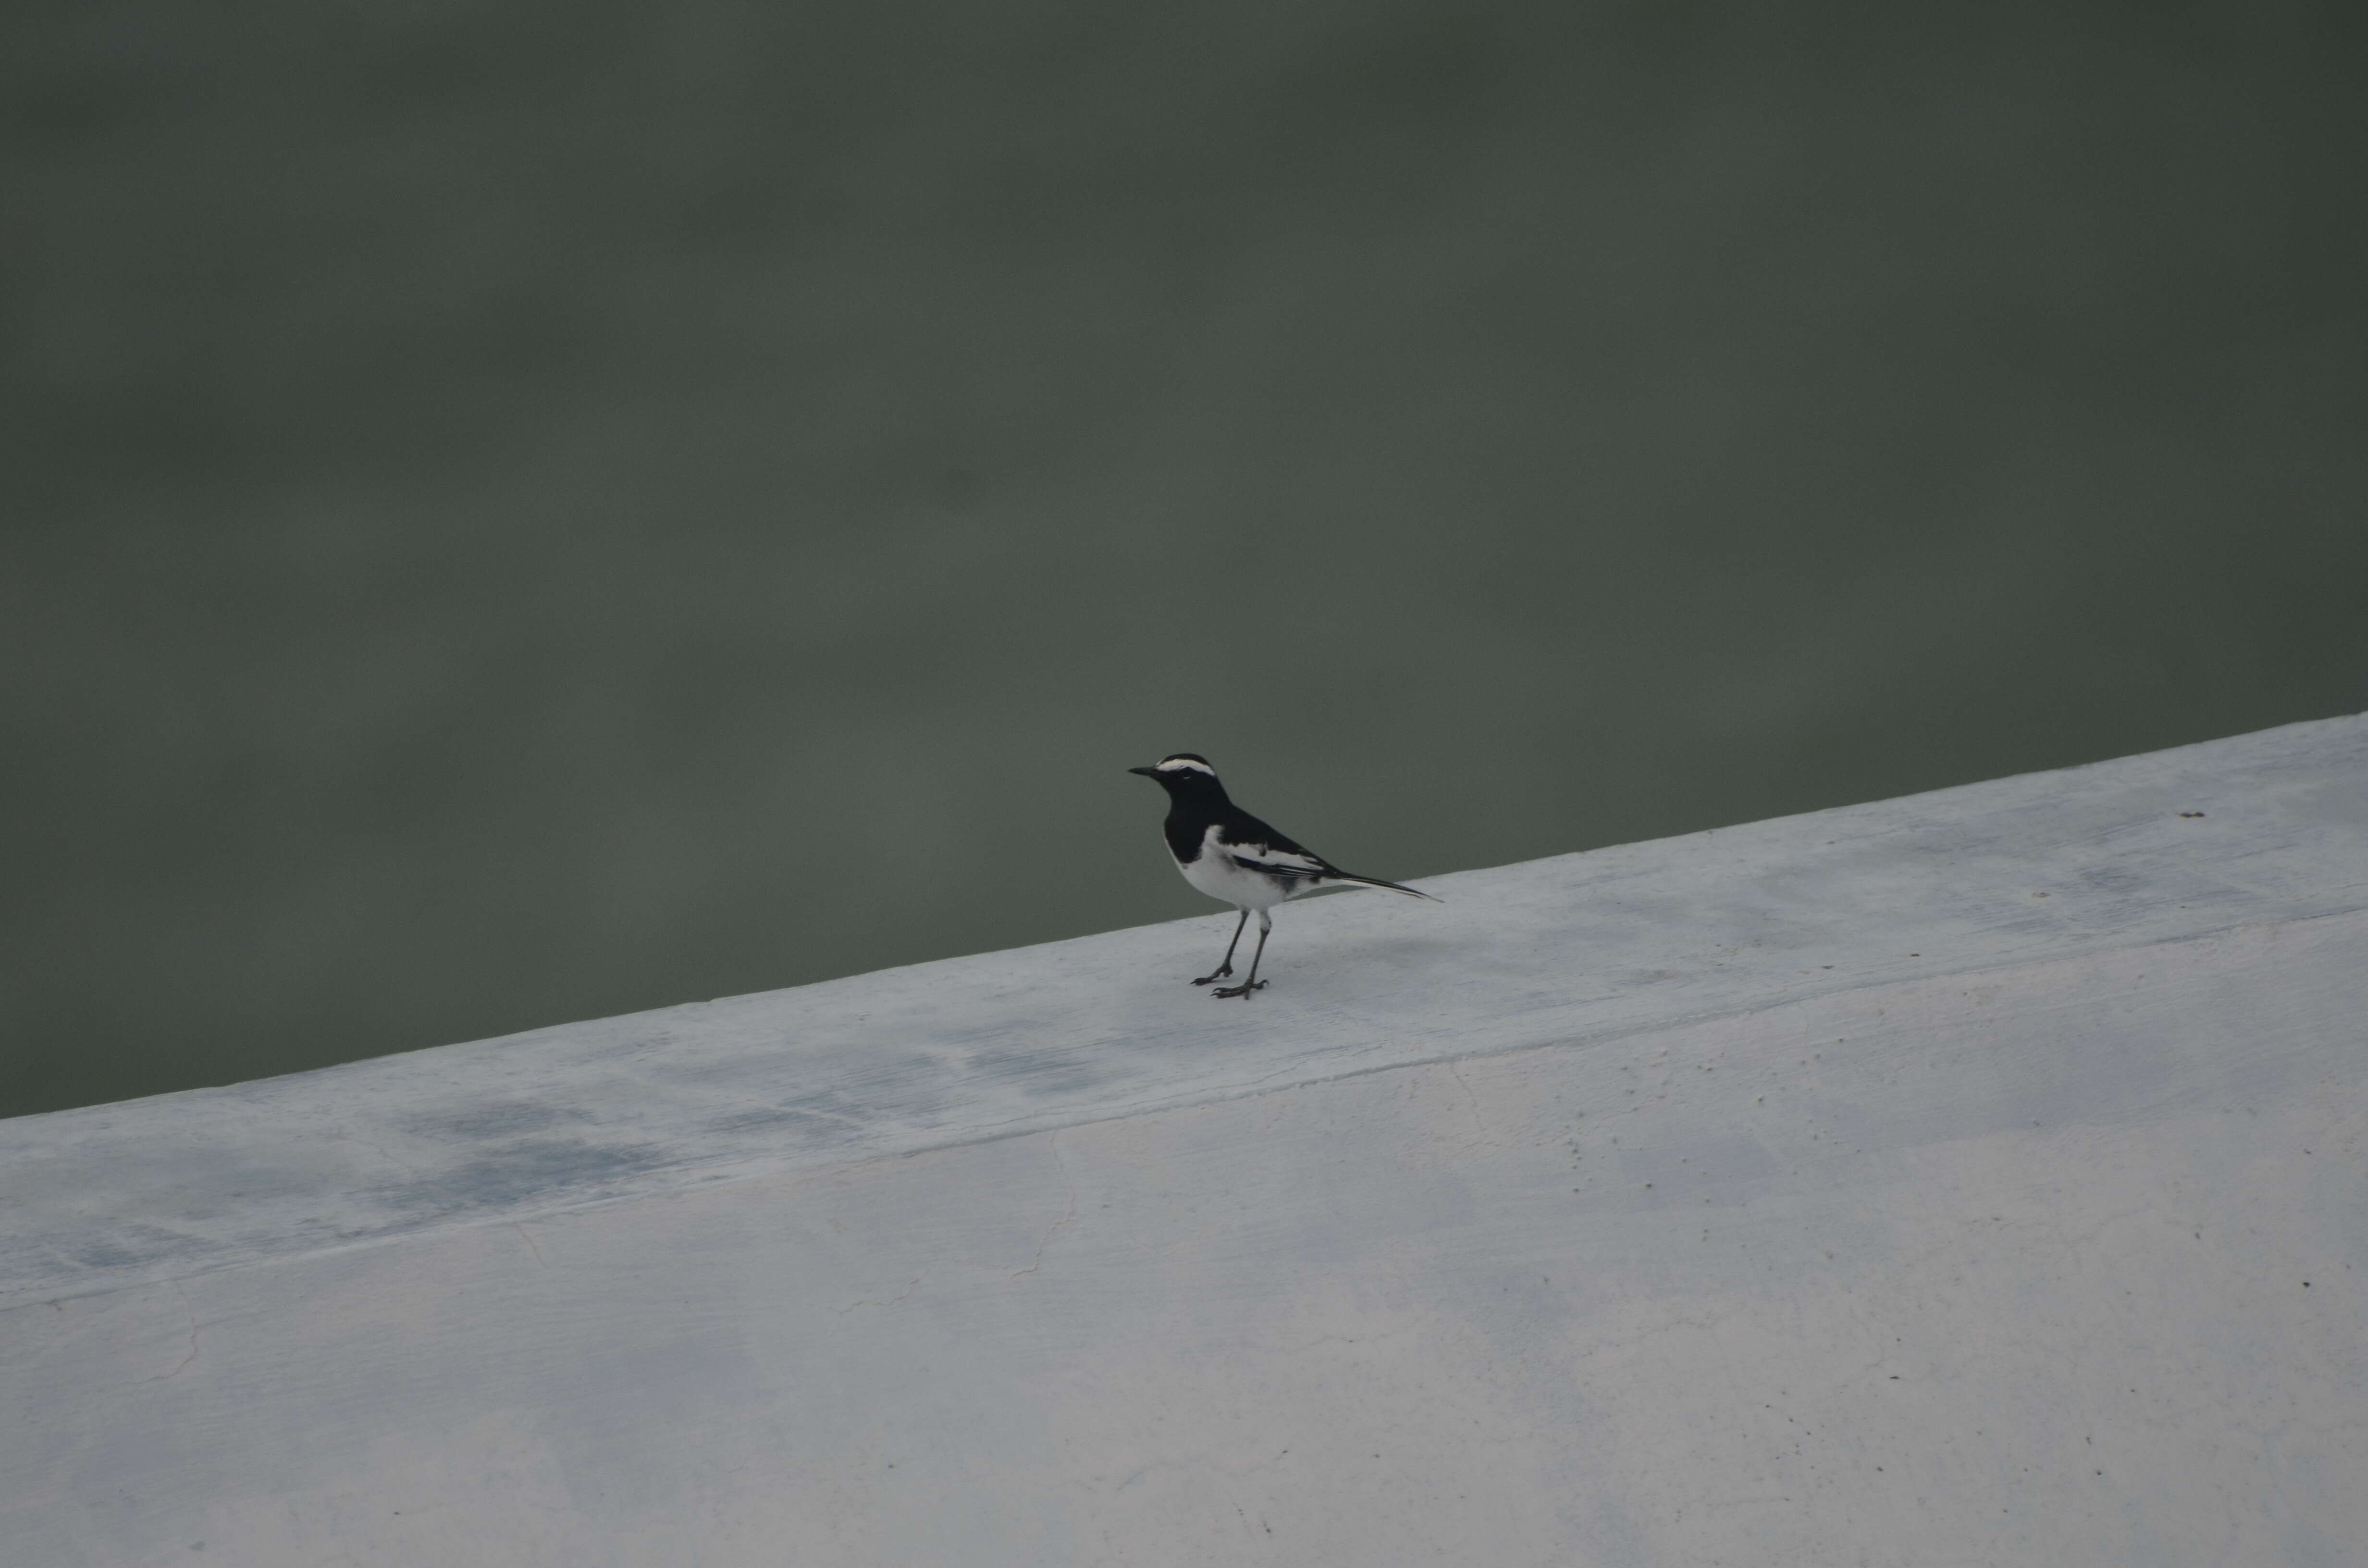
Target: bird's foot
(1237, 990)
(1219, 975)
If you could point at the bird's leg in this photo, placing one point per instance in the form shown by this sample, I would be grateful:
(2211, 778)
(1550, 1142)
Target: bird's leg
(1226, 968)
(1266, 924)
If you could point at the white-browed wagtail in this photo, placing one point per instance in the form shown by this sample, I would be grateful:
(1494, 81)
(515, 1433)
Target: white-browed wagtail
(1237, 859)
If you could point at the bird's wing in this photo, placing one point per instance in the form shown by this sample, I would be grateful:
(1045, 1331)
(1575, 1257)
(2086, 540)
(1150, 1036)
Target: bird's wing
(1276, 855)
(1255, 845)
(1275, 860)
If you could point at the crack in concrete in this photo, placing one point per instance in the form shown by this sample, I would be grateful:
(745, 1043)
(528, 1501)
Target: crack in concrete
(189, 1307)
(912, 1286)
(1472, 1102)
(1053, 1143)
(406, 1167)
(1202, 1461)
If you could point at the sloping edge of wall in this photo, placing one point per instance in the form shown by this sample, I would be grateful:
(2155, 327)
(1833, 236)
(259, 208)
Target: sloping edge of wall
(1975, 1176)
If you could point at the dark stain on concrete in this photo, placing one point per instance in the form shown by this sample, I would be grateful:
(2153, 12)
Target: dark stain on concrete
(532, 1170)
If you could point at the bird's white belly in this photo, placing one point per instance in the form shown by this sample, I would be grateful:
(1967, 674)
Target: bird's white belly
(1215, 874)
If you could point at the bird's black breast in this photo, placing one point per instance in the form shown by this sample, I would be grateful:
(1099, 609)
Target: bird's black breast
(1186, 826)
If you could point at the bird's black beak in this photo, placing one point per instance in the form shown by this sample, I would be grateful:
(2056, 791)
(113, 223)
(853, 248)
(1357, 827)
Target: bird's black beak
(1146, 772)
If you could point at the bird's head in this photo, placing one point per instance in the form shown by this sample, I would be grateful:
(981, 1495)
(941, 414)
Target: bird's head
(1184, 774)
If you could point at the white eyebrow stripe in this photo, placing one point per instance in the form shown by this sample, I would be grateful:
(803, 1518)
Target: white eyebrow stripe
(1178, 764)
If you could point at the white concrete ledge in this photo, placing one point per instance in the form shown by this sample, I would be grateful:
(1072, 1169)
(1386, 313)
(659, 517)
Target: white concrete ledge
(1930, 1181)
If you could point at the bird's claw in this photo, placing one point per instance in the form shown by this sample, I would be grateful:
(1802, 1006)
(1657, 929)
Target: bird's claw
(1219, 975)
(1237, 990)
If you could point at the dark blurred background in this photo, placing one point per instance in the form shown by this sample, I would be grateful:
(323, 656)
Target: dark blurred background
(521, 511)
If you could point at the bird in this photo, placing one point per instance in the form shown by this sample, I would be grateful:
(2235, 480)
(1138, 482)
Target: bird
(1234, 859)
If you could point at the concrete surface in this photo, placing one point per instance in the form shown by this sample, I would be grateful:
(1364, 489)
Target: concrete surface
(1977, 1178)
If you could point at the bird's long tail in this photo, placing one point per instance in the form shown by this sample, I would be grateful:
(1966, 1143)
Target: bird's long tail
(1377, 883)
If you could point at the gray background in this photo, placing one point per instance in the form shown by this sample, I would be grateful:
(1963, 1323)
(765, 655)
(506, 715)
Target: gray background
(522, 512)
